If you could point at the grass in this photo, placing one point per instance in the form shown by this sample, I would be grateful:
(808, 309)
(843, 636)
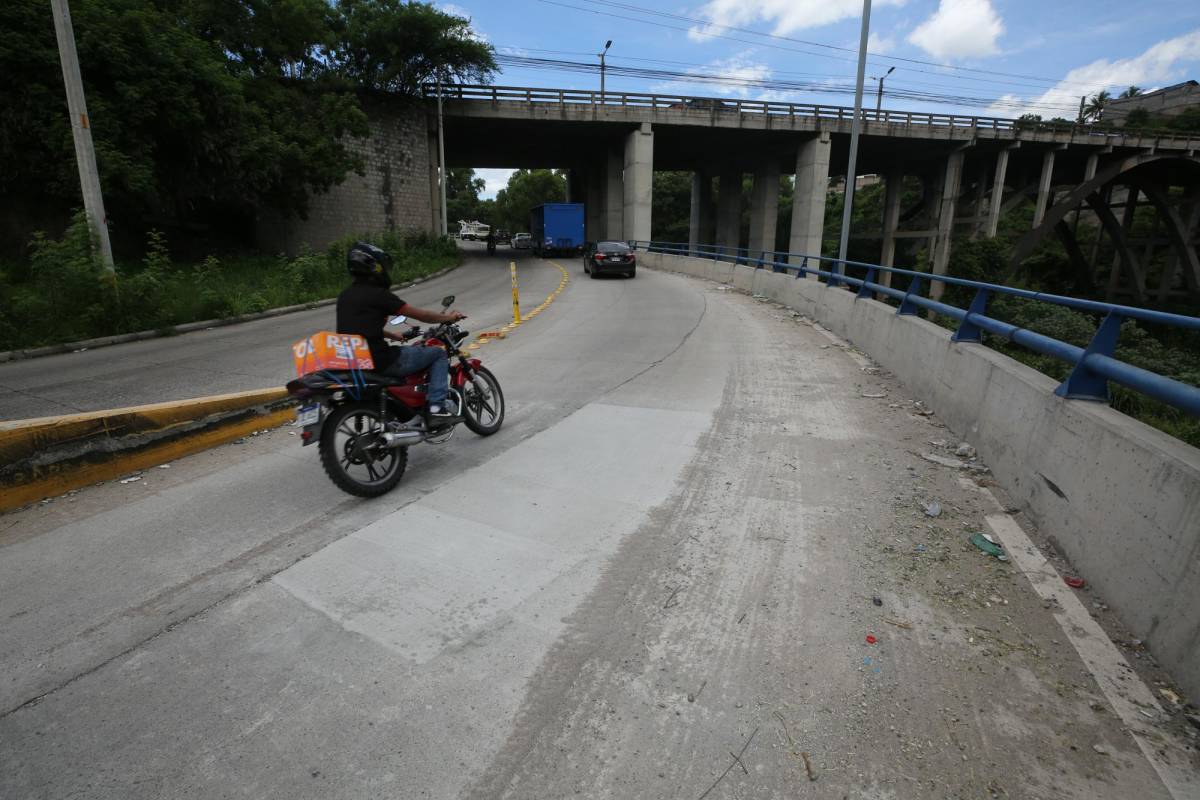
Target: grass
(63, 295)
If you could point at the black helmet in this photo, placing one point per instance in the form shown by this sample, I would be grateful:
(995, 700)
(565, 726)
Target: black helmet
(368, 261)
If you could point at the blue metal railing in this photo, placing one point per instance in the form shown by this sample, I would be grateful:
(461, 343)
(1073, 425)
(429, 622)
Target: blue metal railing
(1093, 366)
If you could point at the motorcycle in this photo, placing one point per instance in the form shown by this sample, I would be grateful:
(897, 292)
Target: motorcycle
(491, 247)
(363, 423)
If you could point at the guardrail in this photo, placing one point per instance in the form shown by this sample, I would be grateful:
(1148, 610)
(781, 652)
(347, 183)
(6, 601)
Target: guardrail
(661, 102)
(1093, 366)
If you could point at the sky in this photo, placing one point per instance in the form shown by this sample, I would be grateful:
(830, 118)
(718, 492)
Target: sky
(987, 57)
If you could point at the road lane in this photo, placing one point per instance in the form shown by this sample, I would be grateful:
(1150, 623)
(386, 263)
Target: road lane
(250, 355)
(666, 556)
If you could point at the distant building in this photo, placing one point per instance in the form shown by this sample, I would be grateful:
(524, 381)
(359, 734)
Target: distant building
(1166, 102)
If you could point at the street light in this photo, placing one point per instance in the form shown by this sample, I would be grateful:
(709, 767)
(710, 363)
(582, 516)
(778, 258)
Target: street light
(607, 45)
(879, 96)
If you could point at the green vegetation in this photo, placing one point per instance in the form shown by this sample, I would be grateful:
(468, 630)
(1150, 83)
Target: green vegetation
(63, 294)
(204, 112)
(526, 189)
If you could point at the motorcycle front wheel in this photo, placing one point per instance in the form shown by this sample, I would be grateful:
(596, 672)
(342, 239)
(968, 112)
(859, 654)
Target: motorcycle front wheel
(353, 454)
(483, 403)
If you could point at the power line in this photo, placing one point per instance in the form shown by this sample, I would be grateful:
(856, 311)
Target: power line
(709, 23)
(764, 83)
(813, 44)
(901, 83)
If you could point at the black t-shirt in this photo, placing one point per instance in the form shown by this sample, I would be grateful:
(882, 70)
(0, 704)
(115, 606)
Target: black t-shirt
(364, 309)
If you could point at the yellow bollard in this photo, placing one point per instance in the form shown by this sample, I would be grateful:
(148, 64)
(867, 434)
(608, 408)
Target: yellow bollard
(512, 266)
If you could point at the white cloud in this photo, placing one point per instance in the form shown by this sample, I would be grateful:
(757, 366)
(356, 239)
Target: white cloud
(451, 8)
(716, 73)
(786, 16)
(1162, 63)
(959, 29)
(879, 45)
(495, 180)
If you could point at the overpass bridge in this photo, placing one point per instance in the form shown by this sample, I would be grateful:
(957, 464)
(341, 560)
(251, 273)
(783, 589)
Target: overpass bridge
(970, 170)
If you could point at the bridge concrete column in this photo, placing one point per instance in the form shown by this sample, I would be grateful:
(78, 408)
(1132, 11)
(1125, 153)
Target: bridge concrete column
(997, 199)
(945, 224)
(808, 201)
(638, 182)
(594, 203)
(700, 224)
(1044, 184)
(764, 207)
(729, 209)
(575, 186)
(893, 191)
(614, 197)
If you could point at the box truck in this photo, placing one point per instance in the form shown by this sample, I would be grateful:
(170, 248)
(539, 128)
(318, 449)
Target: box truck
(556, 228)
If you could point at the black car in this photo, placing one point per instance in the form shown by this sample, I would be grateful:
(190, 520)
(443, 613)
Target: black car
(609, 258)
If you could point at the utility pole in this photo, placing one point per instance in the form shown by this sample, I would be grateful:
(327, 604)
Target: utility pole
(1082, 100)
(602, 53)
(879, 96)
(442, 163)
(847, 210)
(81, 131)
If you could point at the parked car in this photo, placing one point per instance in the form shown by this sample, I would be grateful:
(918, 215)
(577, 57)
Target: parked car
(609, 258)
(521, 241)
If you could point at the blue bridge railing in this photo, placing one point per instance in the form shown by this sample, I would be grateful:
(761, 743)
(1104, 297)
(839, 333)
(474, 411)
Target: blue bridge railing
(1092, 366)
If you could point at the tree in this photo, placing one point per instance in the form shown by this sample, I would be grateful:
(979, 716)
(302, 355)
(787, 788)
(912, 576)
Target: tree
(1095, 105)
(397, 46)
(526, 189)
(462, 195)
(1132, 91)
(203, 112)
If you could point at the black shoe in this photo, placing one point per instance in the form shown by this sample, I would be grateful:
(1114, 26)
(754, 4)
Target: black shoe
(440, 411)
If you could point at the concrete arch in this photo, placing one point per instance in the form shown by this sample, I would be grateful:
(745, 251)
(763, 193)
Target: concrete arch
(1129, 167)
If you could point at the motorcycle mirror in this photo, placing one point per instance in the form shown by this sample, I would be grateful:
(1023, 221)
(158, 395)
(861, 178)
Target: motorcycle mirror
(397, 320)
(447, 301)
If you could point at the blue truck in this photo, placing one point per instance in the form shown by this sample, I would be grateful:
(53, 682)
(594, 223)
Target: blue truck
(556, 228)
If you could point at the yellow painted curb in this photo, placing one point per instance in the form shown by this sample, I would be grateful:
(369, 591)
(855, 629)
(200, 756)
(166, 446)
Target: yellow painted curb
(77, 475)
(84, 442)
(512, 326)
(24, 437)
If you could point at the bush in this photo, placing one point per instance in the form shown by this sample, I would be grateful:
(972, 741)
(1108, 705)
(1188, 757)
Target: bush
(64, 293)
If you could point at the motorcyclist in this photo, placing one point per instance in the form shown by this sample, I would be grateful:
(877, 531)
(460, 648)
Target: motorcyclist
(491, 241)
(364, 308)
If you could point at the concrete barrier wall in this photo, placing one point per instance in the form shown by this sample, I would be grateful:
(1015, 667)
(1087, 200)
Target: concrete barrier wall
(1120, 499)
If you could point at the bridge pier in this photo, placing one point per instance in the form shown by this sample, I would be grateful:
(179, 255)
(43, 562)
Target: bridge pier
(951, 183)
(729, 209)
(594, 202)
(700, 224)
(614, 196)
(764, 208)
(997, 199)
(638, 183)
(893, 192)
(808, 201)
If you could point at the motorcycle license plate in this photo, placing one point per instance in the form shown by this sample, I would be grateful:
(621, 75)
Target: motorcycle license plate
(308, 415)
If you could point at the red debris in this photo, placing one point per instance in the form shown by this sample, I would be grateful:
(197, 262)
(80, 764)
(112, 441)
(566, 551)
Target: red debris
(871, 639)
(1074, 583)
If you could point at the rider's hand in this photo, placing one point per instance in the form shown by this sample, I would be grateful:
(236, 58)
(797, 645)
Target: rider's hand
(455, 316)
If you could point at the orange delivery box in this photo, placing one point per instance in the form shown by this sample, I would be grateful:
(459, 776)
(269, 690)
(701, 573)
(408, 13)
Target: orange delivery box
(328, 350)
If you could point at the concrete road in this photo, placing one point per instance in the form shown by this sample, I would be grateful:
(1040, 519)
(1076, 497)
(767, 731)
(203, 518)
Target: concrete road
(655, 582)
(252, 355)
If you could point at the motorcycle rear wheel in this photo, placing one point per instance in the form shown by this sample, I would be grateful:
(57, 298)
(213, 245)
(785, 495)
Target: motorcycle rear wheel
(353, 455)
(483, 412)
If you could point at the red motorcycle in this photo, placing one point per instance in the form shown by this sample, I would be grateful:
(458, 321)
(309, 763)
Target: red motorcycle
(364, 422)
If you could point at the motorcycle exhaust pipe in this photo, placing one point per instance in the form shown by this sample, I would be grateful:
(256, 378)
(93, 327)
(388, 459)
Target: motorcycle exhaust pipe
(403, 438)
